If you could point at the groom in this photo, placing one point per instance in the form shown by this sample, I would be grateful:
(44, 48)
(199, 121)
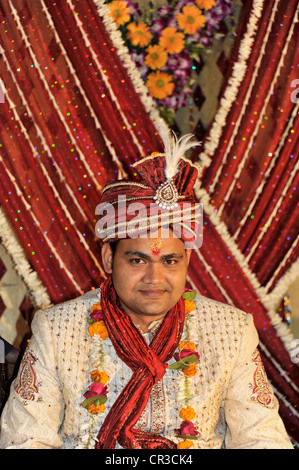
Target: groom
(141, 362)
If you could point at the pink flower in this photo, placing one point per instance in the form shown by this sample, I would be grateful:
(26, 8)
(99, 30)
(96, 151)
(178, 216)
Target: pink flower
(96, 388)
(187, 428)
(185, 353)
(97, 315)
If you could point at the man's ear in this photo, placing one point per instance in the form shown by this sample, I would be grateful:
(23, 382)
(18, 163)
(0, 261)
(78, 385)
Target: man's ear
(107, 258)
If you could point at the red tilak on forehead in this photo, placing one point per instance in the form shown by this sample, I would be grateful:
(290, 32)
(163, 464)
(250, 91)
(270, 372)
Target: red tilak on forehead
(155, 245)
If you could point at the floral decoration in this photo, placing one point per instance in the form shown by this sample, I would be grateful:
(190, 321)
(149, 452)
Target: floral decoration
(165, 42)
(185, 444)
(96, 395)
(186, 361)
(96, 323)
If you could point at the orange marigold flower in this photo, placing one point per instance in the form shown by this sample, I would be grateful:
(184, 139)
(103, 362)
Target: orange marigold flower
(156, 57)
(94, 409)
(97, 376)
(159, 85)
(172, 41)
(186, 345)
(139, 34)
(191, 20)
(191, 370)
(98, 328)
(187, 413)
(120, 12)
(97, 306)
(206, 4)
(185, 444)
(189, 306)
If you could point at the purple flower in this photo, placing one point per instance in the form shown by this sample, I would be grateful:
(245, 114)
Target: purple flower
(185, 353)
(164, 10)
(187, 428)
(97, 315)
(138, 59)
(179, 61)
(95, 389)
(157, 27)
(134, 8)
(180, 75)
(170, 102)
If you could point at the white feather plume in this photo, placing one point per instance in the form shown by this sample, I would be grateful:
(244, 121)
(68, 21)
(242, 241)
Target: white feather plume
(174, 149)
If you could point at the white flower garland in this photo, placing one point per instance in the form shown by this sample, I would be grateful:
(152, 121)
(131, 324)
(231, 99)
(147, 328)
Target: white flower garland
(98, 360)
(186, 384)
(38, 293)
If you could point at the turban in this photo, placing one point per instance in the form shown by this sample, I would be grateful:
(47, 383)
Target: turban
(161, 195)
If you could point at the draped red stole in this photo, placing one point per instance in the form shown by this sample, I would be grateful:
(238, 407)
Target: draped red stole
(148, 363)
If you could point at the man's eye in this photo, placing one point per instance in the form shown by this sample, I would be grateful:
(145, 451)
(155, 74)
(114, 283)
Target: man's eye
(170, 261)
(136, 260)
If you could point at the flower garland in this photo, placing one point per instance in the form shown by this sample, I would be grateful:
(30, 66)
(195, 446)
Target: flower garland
(37, 291)
(186, 363)
(96, 395)
(165, 43)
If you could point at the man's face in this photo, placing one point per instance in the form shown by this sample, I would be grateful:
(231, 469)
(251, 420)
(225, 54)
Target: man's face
(149, 274)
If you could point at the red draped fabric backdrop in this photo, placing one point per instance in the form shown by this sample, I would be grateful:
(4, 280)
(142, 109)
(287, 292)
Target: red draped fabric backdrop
(75, 115)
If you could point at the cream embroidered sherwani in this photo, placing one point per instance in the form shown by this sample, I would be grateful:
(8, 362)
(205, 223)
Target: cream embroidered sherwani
(234, 405)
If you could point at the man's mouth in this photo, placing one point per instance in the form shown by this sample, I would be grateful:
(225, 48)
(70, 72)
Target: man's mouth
(153, 293)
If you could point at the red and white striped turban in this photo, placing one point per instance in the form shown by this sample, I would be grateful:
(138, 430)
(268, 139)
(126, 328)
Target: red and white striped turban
(161, 195)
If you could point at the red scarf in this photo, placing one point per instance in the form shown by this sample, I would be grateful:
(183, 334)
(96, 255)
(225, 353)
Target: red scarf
(148, 363)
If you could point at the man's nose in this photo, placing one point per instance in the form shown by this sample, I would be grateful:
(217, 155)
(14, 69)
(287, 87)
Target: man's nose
(153, 273)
